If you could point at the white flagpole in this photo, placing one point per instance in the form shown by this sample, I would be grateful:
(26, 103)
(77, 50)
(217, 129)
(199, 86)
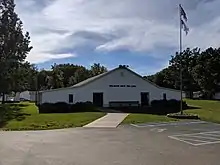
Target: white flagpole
(181, 74)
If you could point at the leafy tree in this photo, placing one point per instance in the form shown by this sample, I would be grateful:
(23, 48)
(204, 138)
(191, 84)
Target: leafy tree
(207, 71)
(97, 69)
(72, 81)
(81, 74)
(68, 71)
(23, 78)
(14, 45)
(187, 61)
(42, 79)
(55, 80)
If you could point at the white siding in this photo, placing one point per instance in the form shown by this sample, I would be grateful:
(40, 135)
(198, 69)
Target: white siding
(217, 96)
(25, 95)
(32, 95)
(117, 77)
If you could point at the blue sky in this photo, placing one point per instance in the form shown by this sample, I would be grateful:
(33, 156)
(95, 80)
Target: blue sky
(140, 33)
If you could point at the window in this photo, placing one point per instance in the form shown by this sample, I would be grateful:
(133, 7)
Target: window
(165, 96)
(70, 98)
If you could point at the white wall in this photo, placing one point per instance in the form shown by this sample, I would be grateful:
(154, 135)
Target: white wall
(17, 97)
(6, 97)
(25, 95)
(217, 96)
(85, 93)
(32, 95)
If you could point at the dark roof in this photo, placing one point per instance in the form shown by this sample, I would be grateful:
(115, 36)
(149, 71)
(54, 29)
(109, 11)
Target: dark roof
(89, 80)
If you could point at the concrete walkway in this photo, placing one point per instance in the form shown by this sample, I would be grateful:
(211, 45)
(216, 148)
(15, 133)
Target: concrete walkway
(111, 120)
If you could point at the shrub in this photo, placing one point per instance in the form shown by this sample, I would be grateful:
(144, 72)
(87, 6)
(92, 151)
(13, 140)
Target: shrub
(166, 106)
(46, 108)
(62, 107)
(83, 107)
(183, 116)
(8, 101)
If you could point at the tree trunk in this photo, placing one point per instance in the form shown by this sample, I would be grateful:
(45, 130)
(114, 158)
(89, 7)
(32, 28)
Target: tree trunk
(3, 98)
(191, 94)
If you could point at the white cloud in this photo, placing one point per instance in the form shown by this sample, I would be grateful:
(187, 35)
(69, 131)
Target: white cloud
(37, 57)
(134, 25)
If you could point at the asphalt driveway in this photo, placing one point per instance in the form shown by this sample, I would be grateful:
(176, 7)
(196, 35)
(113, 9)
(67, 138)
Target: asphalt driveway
(125, 145)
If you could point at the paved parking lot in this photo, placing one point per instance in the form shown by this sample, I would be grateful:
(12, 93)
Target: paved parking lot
(191, 143)
(194, 133)
(197, 139)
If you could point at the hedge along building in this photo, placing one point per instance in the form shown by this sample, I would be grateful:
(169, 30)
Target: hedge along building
(118, 87)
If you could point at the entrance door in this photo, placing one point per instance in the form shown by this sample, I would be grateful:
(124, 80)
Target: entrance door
(144, 98)
(98, 99)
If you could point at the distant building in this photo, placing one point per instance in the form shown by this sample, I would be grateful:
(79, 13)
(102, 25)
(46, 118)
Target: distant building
(28, 96)
(217, 96)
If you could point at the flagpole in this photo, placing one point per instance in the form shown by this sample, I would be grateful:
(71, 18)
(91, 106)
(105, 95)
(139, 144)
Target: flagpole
(181, 75)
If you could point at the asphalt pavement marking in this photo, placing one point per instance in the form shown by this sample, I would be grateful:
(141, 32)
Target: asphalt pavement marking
(198, 139)
(167, 124)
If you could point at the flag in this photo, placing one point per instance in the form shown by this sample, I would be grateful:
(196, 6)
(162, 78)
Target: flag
(183, 13)
(184, 27)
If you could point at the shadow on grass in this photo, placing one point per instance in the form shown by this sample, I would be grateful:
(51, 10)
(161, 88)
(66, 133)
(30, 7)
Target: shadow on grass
(11, 111)
(149, 110)
(192, 107)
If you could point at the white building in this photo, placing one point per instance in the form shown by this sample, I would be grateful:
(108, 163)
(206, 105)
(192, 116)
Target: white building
(28, 95)
(118, 86)
(217, 96)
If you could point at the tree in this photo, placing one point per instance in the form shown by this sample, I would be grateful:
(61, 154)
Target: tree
(201, 72)
(14, 45)
(81, 74)
(187, 61)
(68, 71)
(23, 78)
(55, 80)
(42, 79)
(97, 69)
(207, 71)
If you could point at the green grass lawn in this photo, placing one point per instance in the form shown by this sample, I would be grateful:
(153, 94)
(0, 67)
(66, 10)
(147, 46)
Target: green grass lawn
(145, 118)
(25, 116)
(207, 110)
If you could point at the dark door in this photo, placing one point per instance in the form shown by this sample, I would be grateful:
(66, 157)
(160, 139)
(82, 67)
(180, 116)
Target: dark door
(144, 98)
(98, 99)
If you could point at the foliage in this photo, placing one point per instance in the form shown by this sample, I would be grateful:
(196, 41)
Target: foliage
(207, 71)
(14, 45)
(183, 116)
(65, 75)
(200, 72)
(62, 107)
(158, 107)
(25, 116)
(168, 104)
(97, 69)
